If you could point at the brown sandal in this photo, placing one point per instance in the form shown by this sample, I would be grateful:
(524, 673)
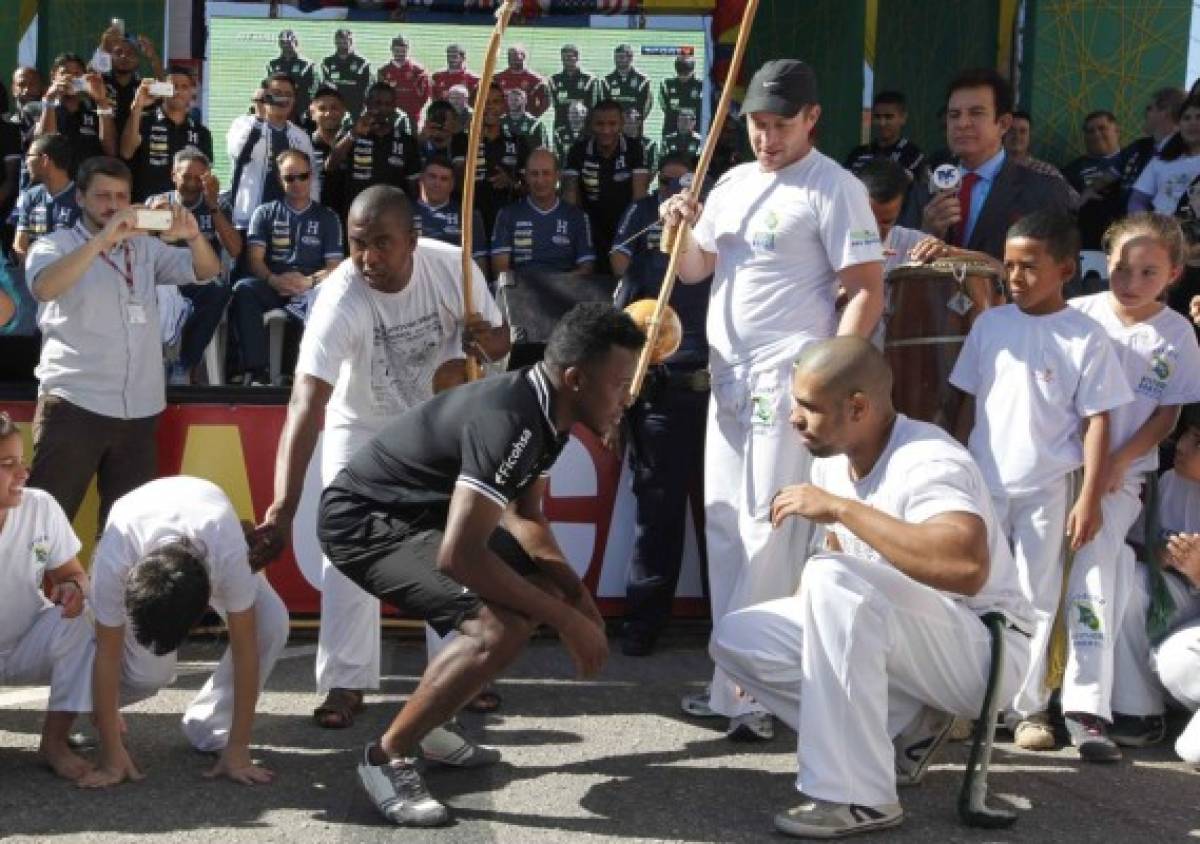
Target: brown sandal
(338, 709)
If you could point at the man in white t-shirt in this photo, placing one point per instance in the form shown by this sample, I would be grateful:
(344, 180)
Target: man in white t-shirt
(382, 325)
(781, 235)
(883, 642)
(170, 549)
(42, 641)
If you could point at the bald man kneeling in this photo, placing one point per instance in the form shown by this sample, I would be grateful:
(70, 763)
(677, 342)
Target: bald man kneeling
(883, 643)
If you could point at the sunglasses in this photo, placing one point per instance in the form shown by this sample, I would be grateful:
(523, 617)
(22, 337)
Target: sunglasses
(296, 177)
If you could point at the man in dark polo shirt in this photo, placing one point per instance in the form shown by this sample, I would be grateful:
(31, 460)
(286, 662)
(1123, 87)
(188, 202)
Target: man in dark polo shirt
(499, 165)
(153, 134)
(326, 113)
(440, 515)
(605, 173)
(349, 72)
(123, 80)
(889, 114)
(379, 149)
(84, 116)
(302, 71)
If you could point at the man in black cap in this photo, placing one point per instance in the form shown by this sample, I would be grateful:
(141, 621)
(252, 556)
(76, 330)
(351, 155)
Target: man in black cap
(779, 235)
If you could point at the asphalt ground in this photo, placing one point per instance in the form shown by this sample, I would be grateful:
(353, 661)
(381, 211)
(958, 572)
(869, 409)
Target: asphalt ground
(607, 759)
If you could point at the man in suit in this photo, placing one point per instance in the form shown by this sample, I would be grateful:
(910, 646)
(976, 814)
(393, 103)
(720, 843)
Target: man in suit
(994, 190)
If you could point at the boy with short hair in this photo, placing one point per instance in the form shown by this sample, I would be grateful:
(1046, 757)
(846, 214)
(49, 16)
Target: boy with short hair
(1039, 373)
(40, 642)
(170, 549)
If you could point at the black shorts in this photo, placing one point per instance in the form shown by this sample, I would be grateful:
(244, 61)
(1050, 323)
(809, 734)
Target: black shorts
(394, 558)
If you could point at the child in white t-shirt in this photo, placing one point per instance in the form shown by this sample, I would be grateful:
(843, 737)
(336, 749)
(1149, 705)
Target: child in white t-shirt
(1144, 669)
(1040, 373)
(1166, 178)
(1158, 352)
(42, 641)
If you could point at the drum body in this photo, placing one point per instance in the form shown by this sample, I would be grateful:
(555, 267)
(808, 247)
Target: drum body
(933, 307)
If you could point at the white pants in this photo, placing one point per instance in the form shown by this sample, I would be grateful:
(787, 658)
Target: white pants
(750, 453)
(1144, 673)
(1097, 590)
(852, 660)
(1035, 525)
(59, 651)
(209, 716)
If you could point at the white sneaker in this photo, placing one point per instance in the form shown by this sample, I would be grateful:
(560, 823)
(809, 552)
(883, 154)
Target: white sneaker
(823, 819)
(696, 704)
(753, 726)
(918, 743)
(399, 793)
(447, 745)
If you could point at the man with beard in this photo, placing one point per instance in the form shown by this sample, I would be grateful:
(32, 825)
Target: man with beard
(499, 165)
(346, 70)
(409, 78)
(50, 203)
(516, 75)
(123, 81)
(456, 73)
(626, 84)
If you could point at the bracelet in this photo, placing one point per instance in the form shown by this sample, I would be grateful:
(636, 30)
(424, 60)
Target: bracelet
(107, 112)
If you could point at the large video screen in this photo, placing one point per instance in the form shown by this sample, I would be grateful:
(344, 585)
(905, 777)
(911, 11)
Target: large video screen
(239, 49)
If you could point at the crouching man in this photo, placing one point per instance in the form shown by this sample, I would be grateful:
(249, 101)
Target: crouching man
(883, 642)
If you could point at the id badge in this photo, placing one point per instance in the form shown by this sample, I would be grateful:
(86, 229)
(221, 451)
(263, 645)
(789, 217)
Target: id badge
(135, 313)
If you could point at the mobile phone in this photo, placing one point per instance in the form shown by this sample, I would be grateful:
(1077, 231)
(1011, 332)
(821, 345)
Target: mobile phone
(118, 24)
(162, 89)
(153, 219)
(79, 85)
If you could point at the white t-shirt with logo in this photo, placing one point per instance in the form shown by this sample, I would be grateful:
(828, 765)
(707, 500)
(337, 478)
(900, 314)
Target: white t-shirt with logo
(923, 473)
(160, 512)
(1162, 366)
(36, 537)
(1166, 181)
(1035, 379)
(779, 239)
(380, 350)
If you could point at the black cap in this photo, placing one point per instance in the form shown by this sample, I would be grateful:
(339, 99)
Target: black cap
(327, 90)
(782, 87)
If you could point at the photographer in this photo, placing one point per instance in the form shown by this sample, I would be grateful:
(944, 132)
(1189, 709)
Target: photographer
(123, 81)
(151, 139)
(67, 110)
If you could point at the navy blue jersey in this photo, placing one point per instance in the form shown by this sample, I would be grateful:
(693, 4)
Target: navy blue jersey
(503, 154)
(199, 209)
(605, 184)
(444, 223)
(296, 240)
(557, 240)
(39, 212)
(638, 235)
(393, 159)
(83, 130)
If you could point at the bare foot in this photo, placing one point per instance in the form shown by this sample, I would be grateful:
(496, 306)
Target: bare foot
(64, 762)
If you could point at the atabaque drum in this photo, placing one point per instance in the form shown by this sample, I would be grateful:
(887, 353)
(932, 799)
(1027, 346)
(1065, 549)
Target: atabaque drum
(932, 308)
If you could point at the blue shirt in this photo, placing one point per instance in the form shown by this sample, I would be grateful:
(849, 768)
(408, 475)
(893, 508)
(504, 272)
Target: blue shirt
(444, 223)
(296, 240)
(39, 212)
(644, 278)
(987, 175)
(557, 240)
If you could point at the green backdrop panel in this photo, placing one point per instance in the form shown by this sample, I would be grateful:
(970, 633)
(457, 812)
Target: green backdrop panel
(75, 25)
(828, 34)
(921, 44)
(1100, 54)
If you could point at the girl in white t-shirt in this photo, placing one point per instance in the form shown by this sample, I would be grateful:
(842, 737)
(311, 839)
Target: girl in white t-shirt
(1161, 360)
(42, 641)
(1167, 176)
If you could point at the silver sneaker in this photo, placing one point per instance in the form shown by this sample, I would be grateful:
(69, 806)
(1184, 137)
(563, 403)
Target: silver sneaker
(753, 726)
(822, 819)
(399, 793)
(918, 743)
(696, 704)
(446, 745)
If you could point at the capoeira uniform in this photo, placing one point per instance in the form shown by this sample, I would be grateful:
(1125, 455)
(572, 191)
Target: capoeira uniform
(1035, 380)
(863, 649)
(380, 351)
(780, 238)
(153, 515)
(1144, 671)
(1161, 361)
(37, 645)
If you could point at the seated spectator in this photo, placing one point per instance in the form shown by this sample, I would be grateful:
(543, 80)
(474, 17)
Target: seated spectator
(1096, 176)
(151, 138)
(438, 213)
(889, 115)
(326, 112)
(79, 108)
(634, 130)
(255, 142)
(292, 245)
(571, 133)
(27, 90)
(440, 131)
(44, 641)
(520, 123)
(604, 174)
(542, 232)
(1161, 122)
(1018, 141)
(685, 141)
(500, 161)
(1164, 181)
(50, 203)
(100, 376)
(12, 145)
(198, 190)
(381, 148)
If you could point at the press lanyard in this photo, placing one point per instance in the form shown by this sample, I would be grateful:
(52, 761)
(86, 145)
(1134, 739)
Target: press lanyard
(127, 273)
